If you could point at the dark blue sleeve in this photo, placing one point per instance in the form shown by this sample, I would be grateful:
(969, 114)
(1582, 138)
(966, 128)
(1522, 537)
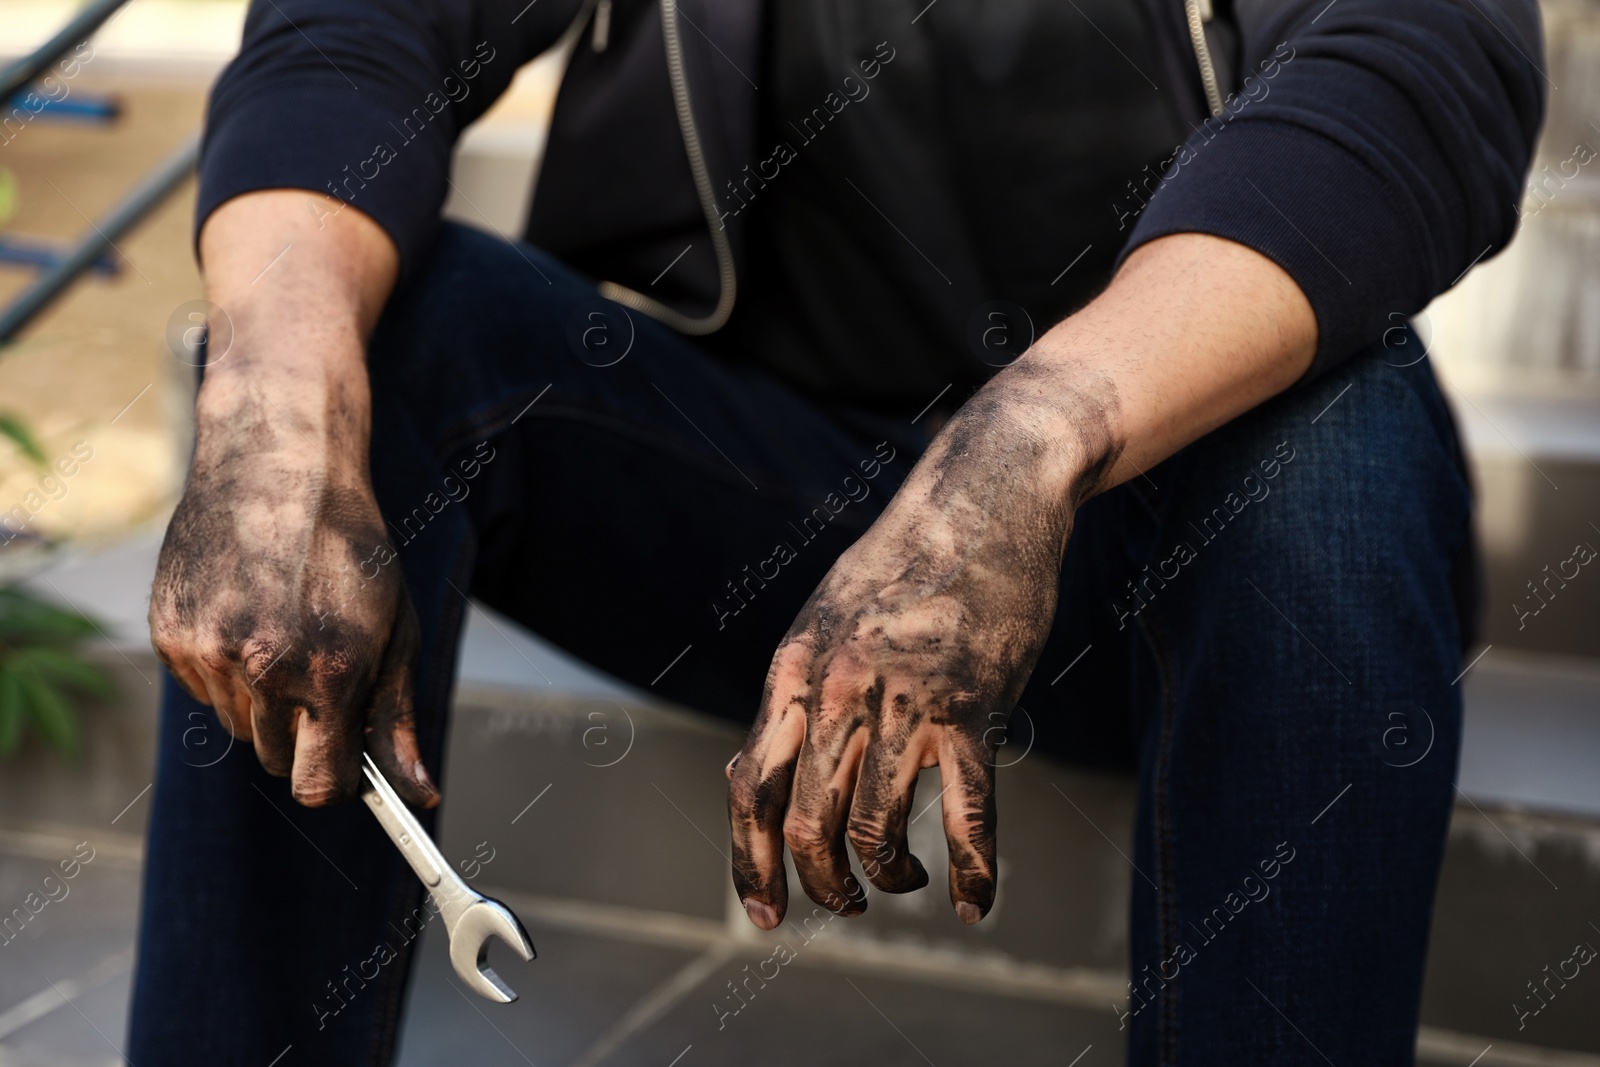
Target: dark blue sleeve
(1375, 149)
(363, 100)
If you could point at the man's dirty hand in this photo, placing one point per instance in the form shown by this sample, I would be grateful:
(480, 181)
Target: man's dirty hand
(279, 602)
(278, 599)
(911, 654)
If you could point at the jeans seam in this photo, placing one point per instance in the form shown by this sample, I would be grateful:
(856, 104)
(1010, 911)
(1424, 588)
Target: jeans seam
(390, 1000)
(385, 1030)
(1162, 835)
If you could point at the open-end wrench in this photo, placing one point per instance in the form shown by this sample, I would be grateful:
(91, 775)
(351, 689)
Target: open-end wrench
(470, 918)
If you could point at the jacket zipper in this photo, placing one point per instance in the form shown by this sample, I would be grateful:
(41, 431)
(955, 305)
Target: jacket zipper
(727, 281)
(1199, 13)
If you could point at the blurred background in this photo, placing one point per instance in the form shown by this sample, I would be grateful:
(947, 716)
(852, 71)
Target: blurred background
(577, 780)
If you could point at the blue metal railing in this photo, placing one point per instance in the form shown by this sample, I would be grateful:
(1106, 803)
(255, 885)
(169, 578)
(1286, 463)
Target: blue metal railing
(62, 268)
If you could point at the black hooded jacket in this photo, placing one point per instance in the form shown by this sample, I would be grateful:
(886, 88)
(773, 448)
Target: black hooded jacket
(1375, 149)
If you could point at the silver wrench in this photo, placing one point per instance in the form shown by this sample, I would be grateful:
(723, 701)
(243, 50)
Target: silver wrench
(470, 918)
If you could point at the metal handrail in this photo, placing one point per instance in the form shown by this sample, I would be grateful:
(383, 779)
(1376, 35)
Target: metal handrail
(146, 196)
(20, 74)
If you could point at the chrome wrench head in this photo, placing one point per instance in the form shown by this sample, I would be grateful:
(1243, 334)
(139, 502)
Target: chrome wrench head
(471, 920)
(481, 922)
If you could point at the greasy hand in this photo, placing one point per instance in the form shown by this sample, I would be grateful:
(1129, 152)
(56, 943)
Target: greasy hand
(278, 601)
(911, 653)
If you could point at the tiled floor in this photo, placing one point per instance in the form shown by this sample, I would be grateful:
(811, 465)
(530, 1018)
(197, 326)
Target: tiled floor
(635, 970)
(67, 982)
(64, 978)
(622, 1002)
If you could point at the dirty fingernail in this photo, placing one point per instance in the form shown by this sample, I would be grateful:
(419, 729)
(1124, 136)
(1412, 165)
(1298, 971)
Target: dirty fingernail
(763, 915)
(968, 912)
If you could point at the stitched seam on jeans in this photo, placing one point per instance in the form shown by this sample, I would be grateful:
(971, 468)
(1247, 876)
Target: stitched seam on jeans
(386, 1020)
(391, 995)
(1167, 1023)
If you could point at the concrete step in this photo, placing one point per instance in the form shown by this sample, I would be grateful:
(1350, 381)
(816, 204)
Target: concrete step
(577, 795)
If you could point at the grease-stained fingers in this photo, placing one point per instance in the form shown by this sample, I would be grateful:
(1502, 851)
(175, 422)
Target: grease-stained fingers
(235, 717)
(179, 653)
(172, 643)
(758, 797)
(186, 674)
(216, 690)
(223, 691)
(879, 817)
(327, 756)
(760, 778)
(391, 728)
(969, 824)
(814, 830)
(273, 720)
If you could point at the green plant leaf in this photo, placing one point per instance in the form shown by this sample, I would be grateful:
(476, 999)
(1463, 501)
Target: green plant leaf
(55, 665)
(51, 713)
(26, 620)
(13, 716)
(39, 658)
(14, 430)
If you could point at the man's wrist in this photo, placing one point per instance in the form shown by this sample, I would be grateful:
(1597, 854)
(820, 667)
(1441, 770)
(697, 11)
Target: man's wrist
(300, 299)
(1070, 415)
(1193, 331)
(287, 402)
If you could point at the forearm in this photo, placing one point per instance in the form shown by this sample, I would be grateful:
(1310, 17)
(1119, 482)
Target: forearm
(263, 603)
(302, 284)
(1193, 332)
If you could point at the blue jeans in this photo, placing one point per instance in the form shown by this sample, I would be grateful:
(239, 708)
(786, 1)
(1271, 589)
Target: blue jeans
(1267, 626)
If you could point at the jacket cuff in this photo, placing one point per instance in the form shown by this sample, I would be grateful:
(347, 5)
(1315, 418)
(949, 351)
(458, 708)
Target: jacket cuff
(336, 142)
(1312, 207)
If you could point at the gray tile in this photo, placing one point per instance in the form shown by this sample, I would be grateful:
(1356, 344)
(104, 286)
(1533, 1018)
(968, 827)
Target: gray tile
(33, 1055)
(810, 1015)
(576, 1001)
(567, 997)
(1532, 737)
(627, 808)
(79, 937)
(650, 830)
(1526, 525)
(91, 1029)
(1517, 893)
(630, 800)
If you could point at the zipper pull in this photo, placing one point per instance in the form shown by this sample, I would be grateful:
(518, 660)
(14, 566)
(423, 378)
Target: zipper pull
(1205, 9)
(602, 27)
